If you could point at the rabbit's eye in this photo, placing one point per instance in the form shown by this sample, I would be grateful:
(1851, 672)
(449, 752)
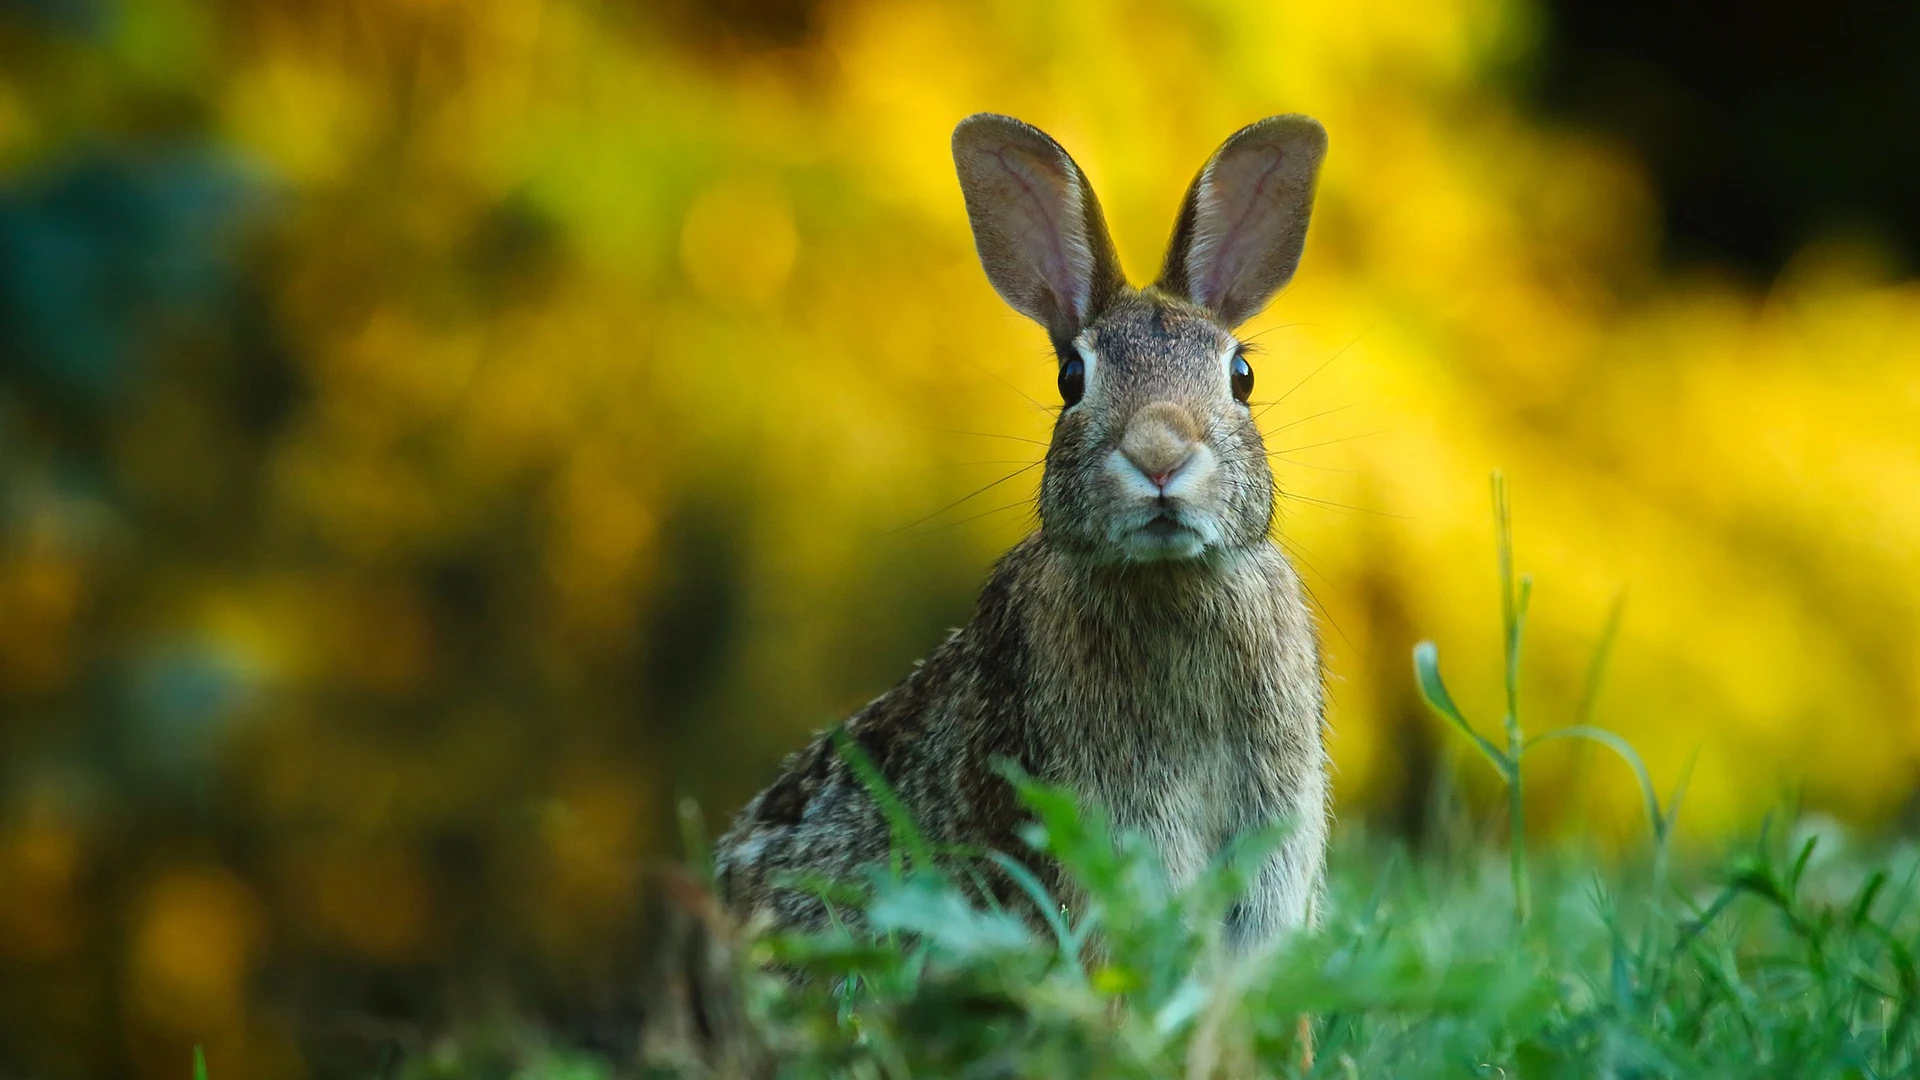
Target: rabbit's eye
(1242, 379)
(1073, 381)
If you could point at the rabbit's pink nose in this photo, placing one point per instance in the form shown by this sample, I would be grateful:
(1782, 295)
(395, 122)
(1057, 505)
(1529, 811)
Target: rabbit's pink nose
(1159, 441)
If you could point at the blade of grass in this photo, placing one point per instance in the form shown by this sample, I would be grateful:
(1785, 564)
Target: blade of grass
(1602, 656)
(1426, 671)
(1656, 820)
(906, 835)
(1048, 907)
(1513, 613)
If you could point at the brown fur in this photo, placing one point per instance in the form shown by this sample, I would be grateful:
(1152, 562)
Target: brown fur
(1149, 647)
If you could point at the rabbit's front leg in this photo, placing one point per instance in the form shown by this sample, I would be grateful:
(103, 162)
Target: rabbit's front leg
(1283, 895)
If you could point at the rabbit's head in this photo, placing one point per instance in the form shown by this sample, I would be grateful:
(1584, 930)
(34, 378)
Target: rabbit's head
(1155, 455)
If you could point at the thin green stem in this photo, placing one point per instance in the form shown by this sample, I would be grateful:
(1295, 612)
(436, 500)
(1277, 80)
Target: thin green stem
(1517, 853)
(1509, 607)
(1513, 617)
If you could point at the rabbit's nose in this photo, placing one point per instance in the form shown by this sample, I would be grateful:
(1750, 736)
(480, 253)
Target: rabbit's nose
(1159, 440)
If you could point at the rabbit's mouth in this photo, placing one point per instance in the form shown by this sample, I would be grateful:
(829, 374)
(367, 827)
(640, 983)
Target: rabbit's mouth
(1164, 532)
(1164, 526)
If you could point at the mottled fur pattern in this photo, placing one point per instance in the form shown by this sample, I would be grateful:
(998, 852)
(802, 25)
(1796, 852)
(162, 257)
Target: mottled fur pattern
(1149, 647)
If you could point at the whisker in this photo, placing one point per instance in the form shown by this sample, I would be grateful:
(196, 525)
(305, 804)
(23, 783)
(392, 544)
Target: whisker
(1251, 338)
(1241, 484)
(1299, 554)
(1311, 465)
(987, 435)
(1003, 381)
(1318, 415)
(983, 513)
(1331, 505)
(1303, 381)
(1323, 366)
(957, 502)
(1329, 442)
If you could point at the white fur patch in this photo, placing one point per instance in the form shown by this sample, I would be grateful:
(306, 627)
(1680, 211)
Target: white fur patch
(1188, 500)
(1091, 359)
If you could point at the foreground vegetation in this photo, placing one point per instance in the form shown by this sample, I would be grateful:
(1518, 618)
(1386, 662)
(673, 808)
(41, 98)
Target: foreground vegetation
(1791, 958)
(1791, 955)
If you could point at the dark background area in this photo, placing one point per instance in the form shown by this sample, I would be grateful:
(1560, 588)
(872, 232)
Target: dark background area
(1764, 126)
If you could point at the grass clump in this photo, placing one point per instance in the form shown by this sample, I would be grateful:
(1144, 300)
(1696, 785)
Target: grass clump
(1793, 958)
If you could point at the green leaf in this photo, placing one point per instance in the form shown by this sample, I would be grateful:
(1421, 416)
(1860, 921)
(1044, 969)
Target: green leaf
(906, 834)
(1628, 754)
(1049, 907)
(1182, 1007)
(1426, 672)
(941, 916)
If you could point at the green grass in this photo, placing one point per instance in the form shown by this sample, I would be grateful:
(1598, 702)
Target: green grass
(1790, 957)
(1790, 954)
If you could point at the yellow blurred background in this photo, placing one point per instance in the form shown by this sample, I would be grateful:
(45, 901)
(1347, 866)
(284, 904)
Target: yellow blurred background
(435, 434)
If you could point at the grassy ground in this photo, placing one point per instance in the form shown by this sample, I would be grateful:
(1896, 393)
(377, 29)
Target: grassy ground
(1789, 955)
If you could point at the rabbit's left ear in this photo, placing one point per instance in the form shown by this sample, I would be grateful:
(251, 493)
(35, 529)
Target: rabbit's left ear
(1243, 224)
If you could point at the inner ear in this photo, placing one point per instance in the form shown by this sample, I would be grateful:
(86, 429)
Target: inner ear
(1036, 223)
(1243, 222)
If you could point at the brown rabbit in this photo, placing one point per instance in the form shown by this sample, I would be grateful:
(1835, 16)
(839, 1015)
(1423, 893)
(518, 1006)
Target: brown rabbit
(1149, 647)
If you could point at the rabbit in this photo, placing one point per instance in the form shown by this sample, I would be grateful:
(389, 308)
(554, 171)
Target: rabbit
(1149, 647)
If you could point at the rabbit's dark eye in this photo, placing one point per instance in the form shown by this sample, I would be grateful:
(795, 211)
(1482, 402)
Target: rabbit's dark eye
(1073, 381)
(1242, 378)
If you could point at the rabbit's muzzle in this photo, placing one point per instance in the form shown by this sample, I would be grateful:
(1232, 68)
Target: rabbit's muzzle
(1163, 478)
(1160, 441)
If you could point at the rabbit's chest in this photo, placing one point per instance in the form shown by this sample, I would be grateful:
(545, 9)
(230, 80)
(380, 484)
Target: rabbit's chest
(1193, 754)
(1190, 714)
(1189, 807)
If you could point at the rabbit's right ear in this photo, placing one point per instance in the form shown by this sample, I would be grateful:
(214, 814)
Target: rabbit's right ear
(1036, 223)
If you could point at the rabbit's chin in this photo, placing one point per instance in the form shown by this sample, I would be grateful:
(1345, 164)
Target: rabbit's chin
(1164, 535)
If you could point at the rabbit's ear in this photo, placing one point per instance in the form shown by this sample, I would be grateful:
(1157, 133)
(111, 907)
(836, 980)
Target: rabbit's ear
(1036, 223)
(1244, 221)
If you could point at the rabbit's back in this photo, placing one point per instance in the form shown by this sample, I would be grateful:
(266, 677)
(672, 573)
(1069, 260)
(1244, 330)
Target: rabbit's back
(934, 739)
